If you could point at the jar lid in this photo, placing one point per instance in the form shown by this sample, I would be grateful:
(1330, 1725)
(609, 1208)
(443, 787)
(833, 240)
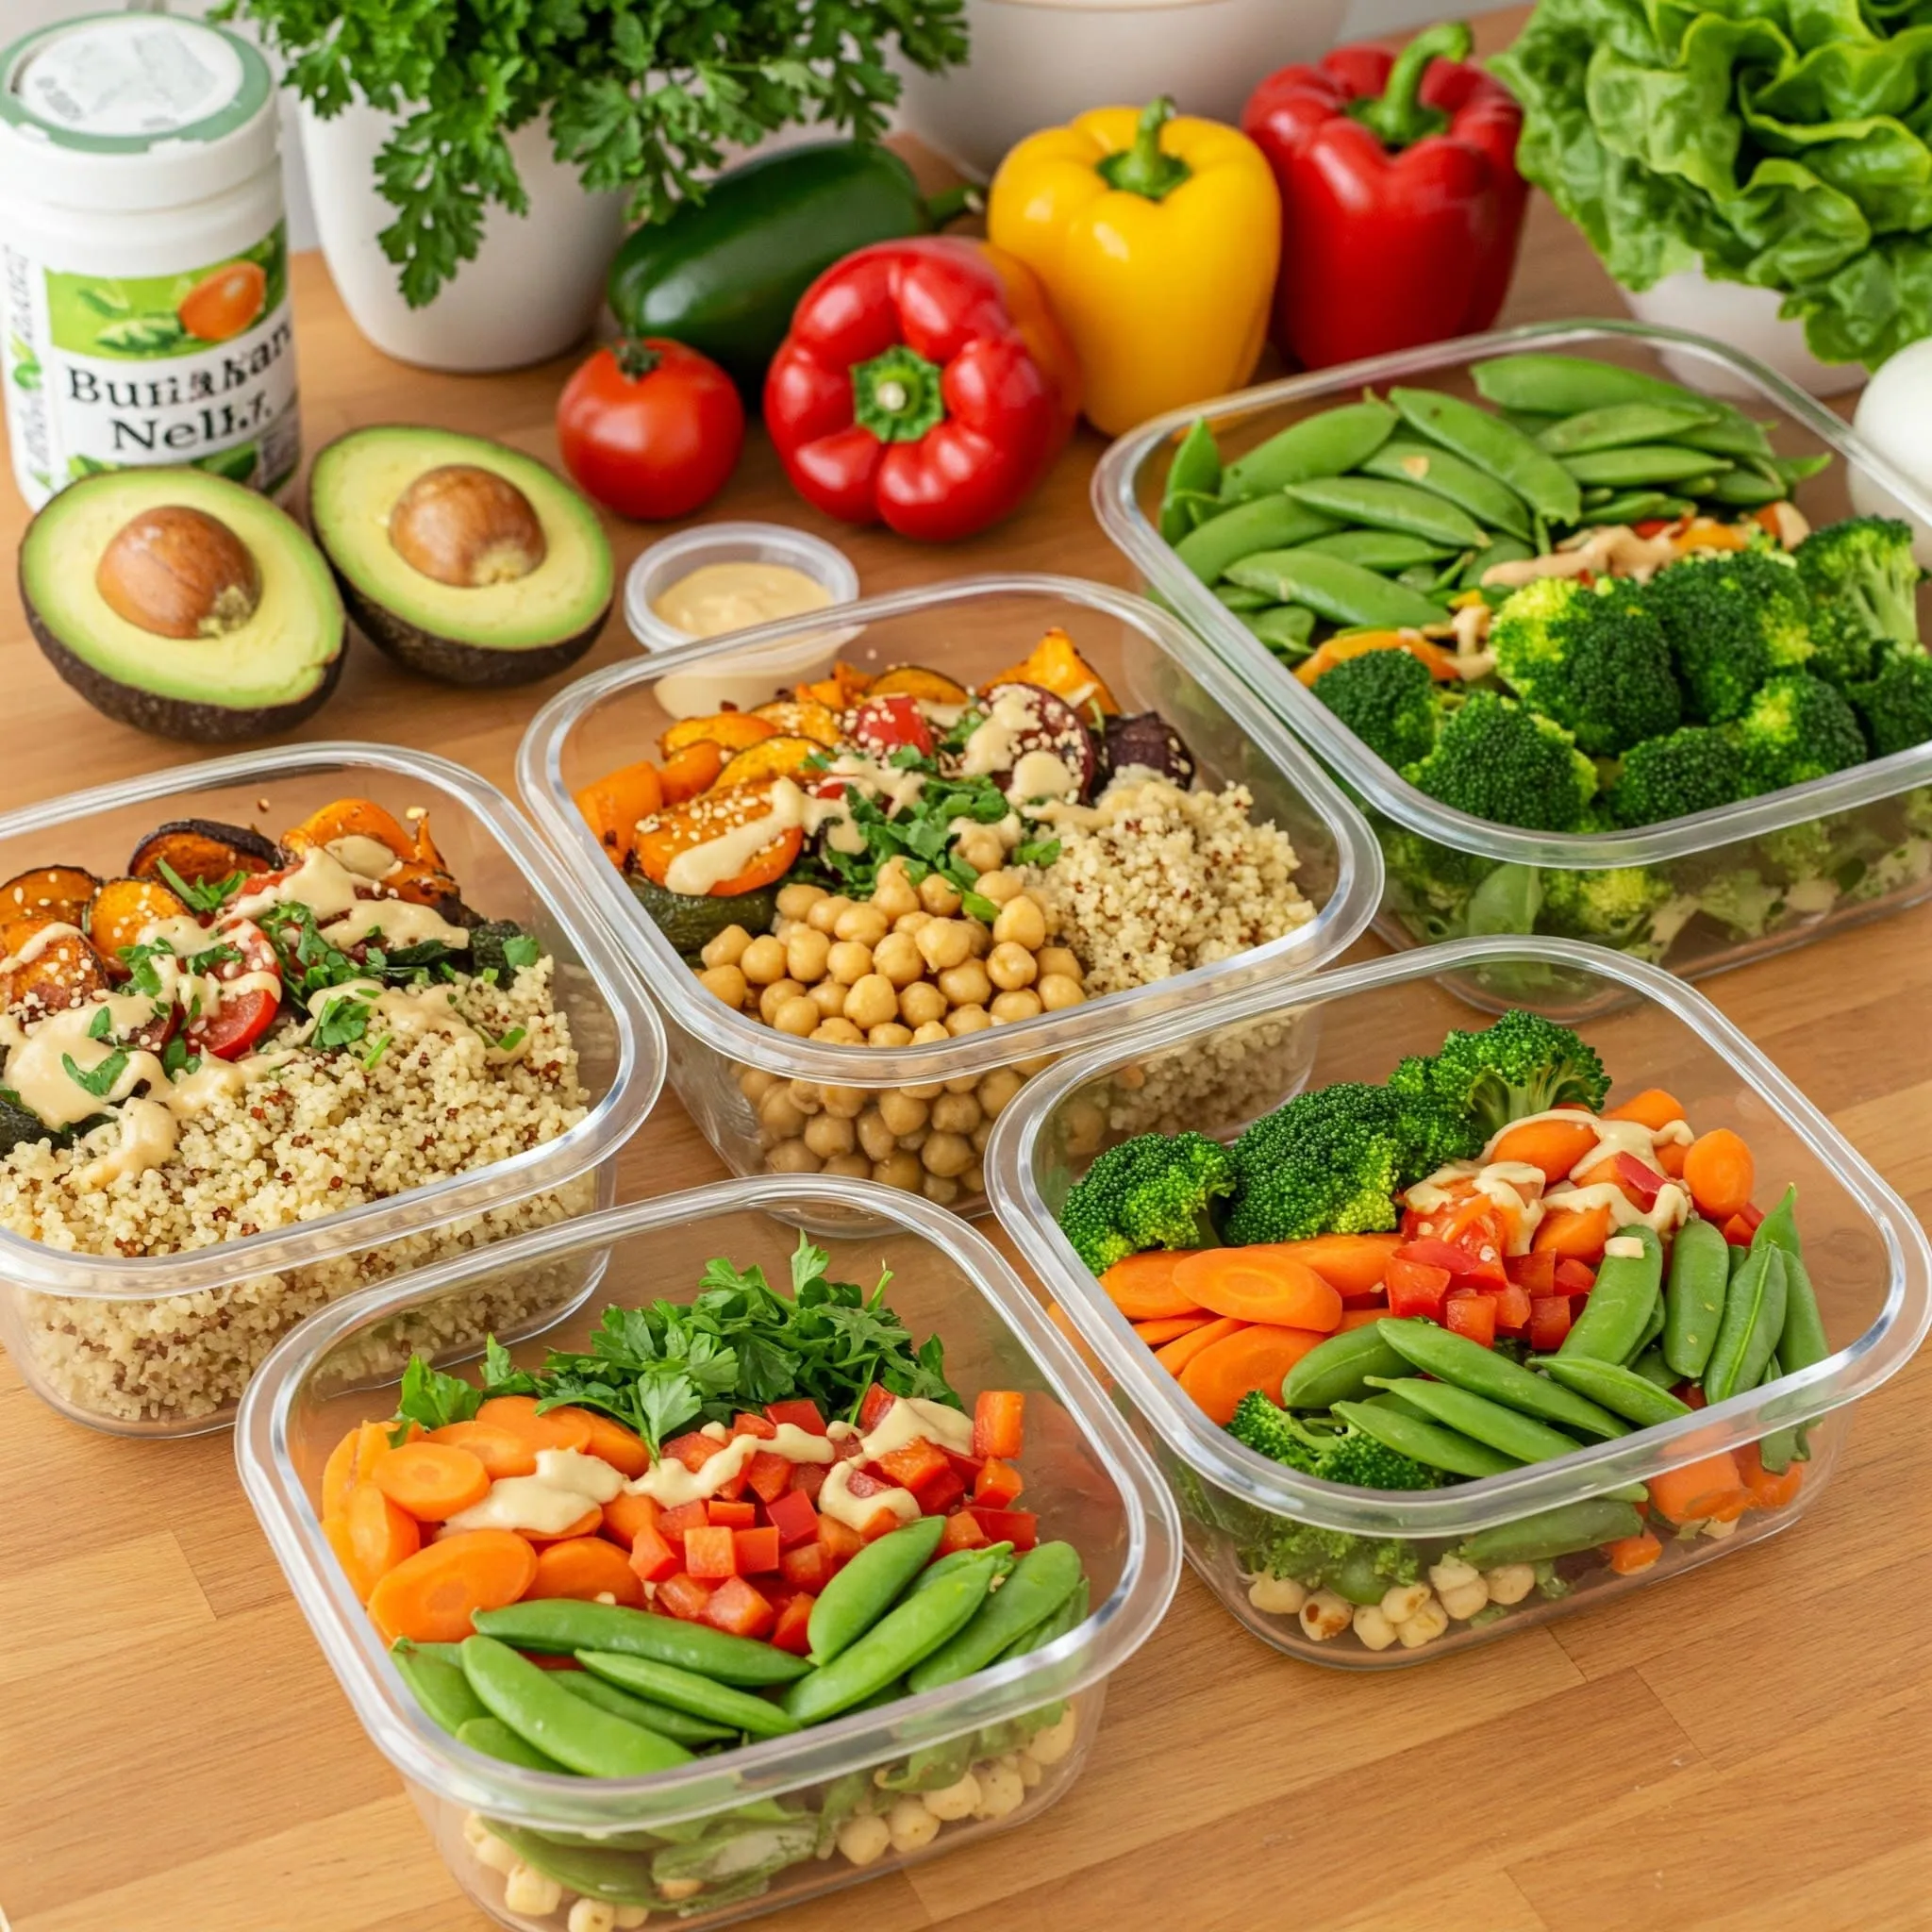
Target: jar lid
(132, 111)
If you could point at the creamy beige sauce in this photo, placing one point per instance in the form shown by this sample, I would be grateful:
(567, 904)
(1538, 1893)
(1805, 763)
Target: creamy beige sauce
(992, 744)
(368, 859)
(836, 1501)
(397, 922)
(670, 1483)
(1041, 775)
(566, 1484)
(720, 597)
(38, 943)
(181, 932)
(36, 1068)
(145, 1136)
(1626, 1247)
(1615, 550)
(321, 882)
(700, 869)
(911, 1418)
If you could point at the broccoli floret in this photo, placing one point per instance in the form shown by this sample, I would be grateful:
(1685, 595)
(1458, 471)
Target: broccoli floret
(1593, 658)
(1435, 1130)
(1743, 899)
(1611, 908)
(1496, 760)
(1896, 705)
(1336, 1454)
(1695, 769)
(1153, 1192)
(1522, 1064)
(1797, 728)
(1863, 584)
(1732, 620)
(1804, 851)
(1432, 882)
(1328, 1162)
(1316, 1556)
(1388, 699)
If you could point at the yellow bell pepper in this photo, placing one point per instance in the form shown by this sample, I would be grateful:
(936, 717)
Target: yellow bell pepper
(1157, 240)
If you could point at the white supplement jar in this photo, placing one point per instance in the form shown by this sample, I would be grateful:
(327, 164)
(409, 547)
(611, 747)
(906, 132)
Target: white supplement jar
(144, 312)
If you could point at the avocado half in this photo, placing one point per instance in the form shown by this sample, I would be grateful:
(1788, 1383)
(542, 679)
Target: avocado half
(513, 630)
(250, 672)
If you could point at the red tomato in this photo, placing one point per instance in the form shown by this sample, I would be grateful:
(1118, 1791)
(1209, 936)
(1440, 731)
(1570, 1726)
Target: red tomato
(880, 727)
(649, 428)
(236, 1023)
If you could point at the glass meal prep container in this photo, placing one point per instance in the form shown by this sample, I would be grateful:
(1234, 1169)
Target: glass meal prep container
(160, 1344)
(747, 1084)
(1868, 1257)
(1877, 817)
(728, 1818)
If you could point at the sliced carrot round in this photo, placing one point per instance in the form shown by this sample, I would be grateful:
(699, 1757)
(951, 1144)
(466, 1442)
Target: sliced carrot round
(1174, 1356)
(1578, 1233)
(1264, 1283)
(1553, 1147)
(611, 1442)
(1141, 1287)
(381, 1535)
(501, 1451)
(430, 1597)
(431, 1480)
(1257, 1357)
(1655, 1106)
(588, 1524)
(586, 1567)
(1720, 1172)
(560, 1428)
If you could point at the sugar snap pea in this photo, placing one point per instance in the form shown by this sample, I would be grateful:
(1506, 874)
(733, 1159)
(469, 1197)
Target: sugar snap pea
(1652, 1329)
(1550, 1533)
(618, 1878)
(1641, 463)
(1341, 592)
(1802, 1342)
(1427, 466)
(1746, 488)
(1384, 505)
(1269, 523)
(577, 1734)
(563, 1625)
(1422, 1440)
(1041, 1581)
(1796, 469)
(1452, 1358)
(869, 1585)
(1380, 550)
(494, 1738)
(687, 1692)
(1567, 385)
(1238, 597)
(1194, 473)
(1326, 444)
(1000, 1554)
(660, 1718)
(1333, 1370)
(719, 1857)
(1287, 629)
(1636, 506)
(1622, 1390)
(1050, 1629)
(1694, 1296)
(438, 1685)
(1752, 1322)
(1620, 423)
(1733, 434)
(899, 1641)
(1652, 1366)
(931, 1767)
(1494, 447)
(1483, 1421)
(1188, 509)
(1619, 1305)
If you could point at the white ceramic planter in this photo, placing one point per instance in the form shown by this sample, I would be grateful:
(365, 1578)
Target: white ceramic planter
(533, 289)
(1036, 64)
(1744, 318)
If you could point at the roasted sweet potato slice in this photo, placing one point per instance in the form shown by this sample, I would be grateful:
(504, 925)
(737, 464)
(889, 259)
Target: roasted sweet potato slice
(800, 718)
(121, 908)
(351, 818)
(48, 893)
(718, 815)
(691, 771)
(66, 972)
(773, 758)
(918, 681)
(1054, 665)
(203, 852)
(614, 804)
(839, 691)
(732, 730)
(428, 885)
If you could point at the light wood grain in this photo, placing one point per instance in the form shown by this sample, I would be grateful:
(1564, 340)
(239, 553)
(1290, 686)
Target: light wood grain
(1745, 1750)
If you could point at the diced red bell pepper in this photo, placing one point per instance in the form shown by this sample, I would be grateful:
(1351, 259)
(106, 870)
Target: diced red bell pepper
(1019, 1528)
(732, 1515)
(683, 1596)
(941, 1494)
(794, 1519)
(739, 1609)
(967, 1466)
(1469, 1312)
(809, 1478)
(999, 1424)
(690, 1449)
(651, 1557)
(549, 1662)
(801, 1413)
(849, 1447)
(872, 1411)
(1535, 1271)
(733, 1485)
(1641, 1179)
(915, 1464)
(1549, 1322)
(767, 1476)
(709, 1553)
(1739, 1229)
(1464, 1262)
(809, 1567)
(842, 1542)
(997, 1485)
(862, 1483)
(1416, 1288)
(1513, 1308)
(745, 1423)
(963, 1532)
(882, 1522)
(1574, 1276)
(678, 1524)
(757, 1550)
(792, 1630)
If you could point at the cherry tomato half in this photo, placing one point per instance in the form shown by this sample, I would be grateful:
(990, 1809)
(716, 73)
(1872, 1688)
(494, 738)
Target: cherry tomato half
(883, 726)
(649, 428)
(236, 1023)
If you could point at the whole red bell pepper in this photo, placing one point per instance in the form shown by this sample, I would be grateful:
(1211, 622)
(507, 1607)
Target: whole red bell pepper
(1401, 205)
(923, 384)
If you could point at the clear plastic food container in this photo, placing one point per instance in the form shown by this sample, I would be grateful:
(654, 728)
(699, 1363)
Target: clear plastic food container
(748, 1085)
(1727, 885)
(161, 1344)
(1868, 1257)
(780, 1801)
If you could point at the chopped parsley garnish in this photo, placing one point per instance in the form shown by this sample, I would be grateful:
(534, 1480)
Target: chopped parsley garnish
(510, 1041)
(177, 1061)
(205, 896)
(99, 1081)
(376, 1053)
(1036, 852)
(521, 951)
(920, 834)
(214, 957)
(309, 962)
(343, 1022)
(101, 1024)
(141, 960)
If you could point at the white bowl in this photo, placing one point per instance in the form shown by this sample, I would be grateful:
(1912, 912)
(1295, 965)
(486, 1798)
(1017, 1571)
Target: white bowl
(1747, 320)
(1036, 64)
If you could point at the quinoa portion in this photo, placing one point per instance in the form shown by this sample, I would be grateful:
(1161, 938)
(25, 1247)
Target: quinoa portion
(1167, 880)
(308, 1139)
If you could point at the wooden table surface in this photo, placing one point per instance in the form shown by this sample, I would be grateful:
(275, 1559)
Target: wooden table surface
(1745, 1750)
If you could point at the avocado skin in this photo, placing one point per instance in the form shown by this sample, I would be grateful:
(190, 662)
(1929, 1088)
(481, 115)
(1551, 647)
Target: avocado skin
(180, 718)
(450, 659)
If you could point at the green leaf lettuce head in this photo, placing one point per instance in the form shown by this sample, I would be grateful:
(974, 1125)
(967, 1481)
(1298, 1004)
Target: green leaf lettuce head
(637, 95)
(1785, 146)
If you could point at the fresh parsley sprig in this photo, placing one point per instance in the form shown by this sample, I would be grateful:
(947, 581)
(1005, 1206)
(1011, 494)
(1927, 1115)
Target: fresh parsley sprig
(202, 895)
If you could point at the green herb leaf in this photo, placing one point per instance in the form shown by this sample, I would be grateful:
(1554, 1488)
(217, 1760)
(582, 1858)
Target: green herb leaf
(521, 951)
(99, 1081)
(376, 1053)
(207, 895)
(434, 1399)
(101, 1024)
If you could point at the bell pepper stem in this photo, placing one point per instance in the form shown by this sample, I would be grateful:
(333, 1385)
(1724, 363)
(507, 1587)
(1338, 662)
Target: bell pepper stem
(949, 205)
(896, 395)
(1397, 116)
(1143, 169)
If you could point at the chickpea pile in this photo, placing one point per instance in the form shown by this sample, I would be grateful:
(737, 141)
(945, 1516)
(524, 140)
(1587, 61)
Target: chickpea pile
(902, 968)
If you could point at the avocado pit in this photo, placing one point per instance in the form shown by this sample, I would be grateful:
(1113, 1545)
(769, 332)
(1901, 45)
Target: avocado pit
(177, 572)
(466, 527)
